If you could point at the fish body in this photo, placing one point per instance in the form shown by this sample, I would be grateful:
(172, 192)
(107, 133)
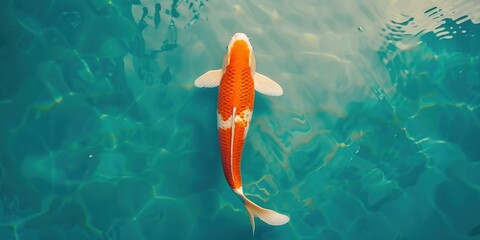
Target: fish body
(237, 82)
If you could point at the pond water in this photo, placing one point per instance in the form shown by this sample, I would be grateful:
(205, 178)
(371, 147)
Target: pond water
(104, 136)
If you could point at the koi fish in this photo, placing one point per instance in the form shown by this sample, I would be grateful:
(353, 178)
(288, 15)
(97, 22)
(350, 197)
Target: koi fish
(237, 82)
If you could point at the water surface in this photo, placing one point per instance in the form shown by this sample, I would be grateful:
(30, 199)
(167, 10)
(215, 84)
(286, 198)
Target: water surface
(103, 135)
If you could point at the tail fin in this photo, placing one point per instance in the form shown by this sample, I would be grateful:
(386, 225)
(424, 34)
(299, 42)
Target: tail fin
(268, 216)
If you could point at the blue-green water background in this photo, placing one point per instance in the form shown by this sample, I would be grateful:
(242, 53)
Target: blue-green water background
(103, 136)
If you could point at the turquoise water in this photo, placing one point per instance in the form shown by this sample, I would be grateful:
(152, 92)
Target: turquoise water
(103, 135)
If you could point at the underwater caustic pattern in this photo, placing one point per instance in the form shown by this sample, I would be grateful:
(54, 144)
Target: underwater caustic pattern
(104, 136)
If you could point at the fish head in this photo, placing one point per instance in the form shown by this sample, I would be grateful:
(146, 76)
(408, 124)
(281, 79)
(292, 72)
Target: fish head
(239, 49)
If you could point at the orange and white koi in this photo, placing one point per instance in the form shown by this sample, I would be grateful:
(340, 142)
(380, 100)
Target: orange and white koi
(238, 81)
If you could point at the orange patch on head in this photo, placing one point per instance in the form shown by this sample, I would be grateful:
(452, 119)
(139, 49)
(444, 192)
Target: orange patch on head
(240, 52)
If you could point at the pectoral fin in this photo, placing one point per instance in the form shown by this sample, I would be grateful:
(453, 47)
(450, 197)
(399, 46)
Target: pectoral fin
(209, 79)
(267, 86)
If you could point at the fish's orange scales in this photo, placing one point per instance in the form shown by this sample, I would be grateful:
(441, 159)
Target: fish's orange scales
(236, 91)
(235, 107)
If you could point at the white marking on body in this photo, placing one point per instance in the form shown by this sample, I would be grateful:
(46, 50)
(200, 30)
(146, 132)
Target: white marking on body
(247, 117)
(223, 124)
(232, 138)
(246, 131)
(244, 116)
(238, 191)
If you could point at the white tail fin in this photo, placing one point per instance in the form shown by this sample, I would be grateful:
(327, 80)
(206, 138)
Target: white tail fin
(268, 216)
